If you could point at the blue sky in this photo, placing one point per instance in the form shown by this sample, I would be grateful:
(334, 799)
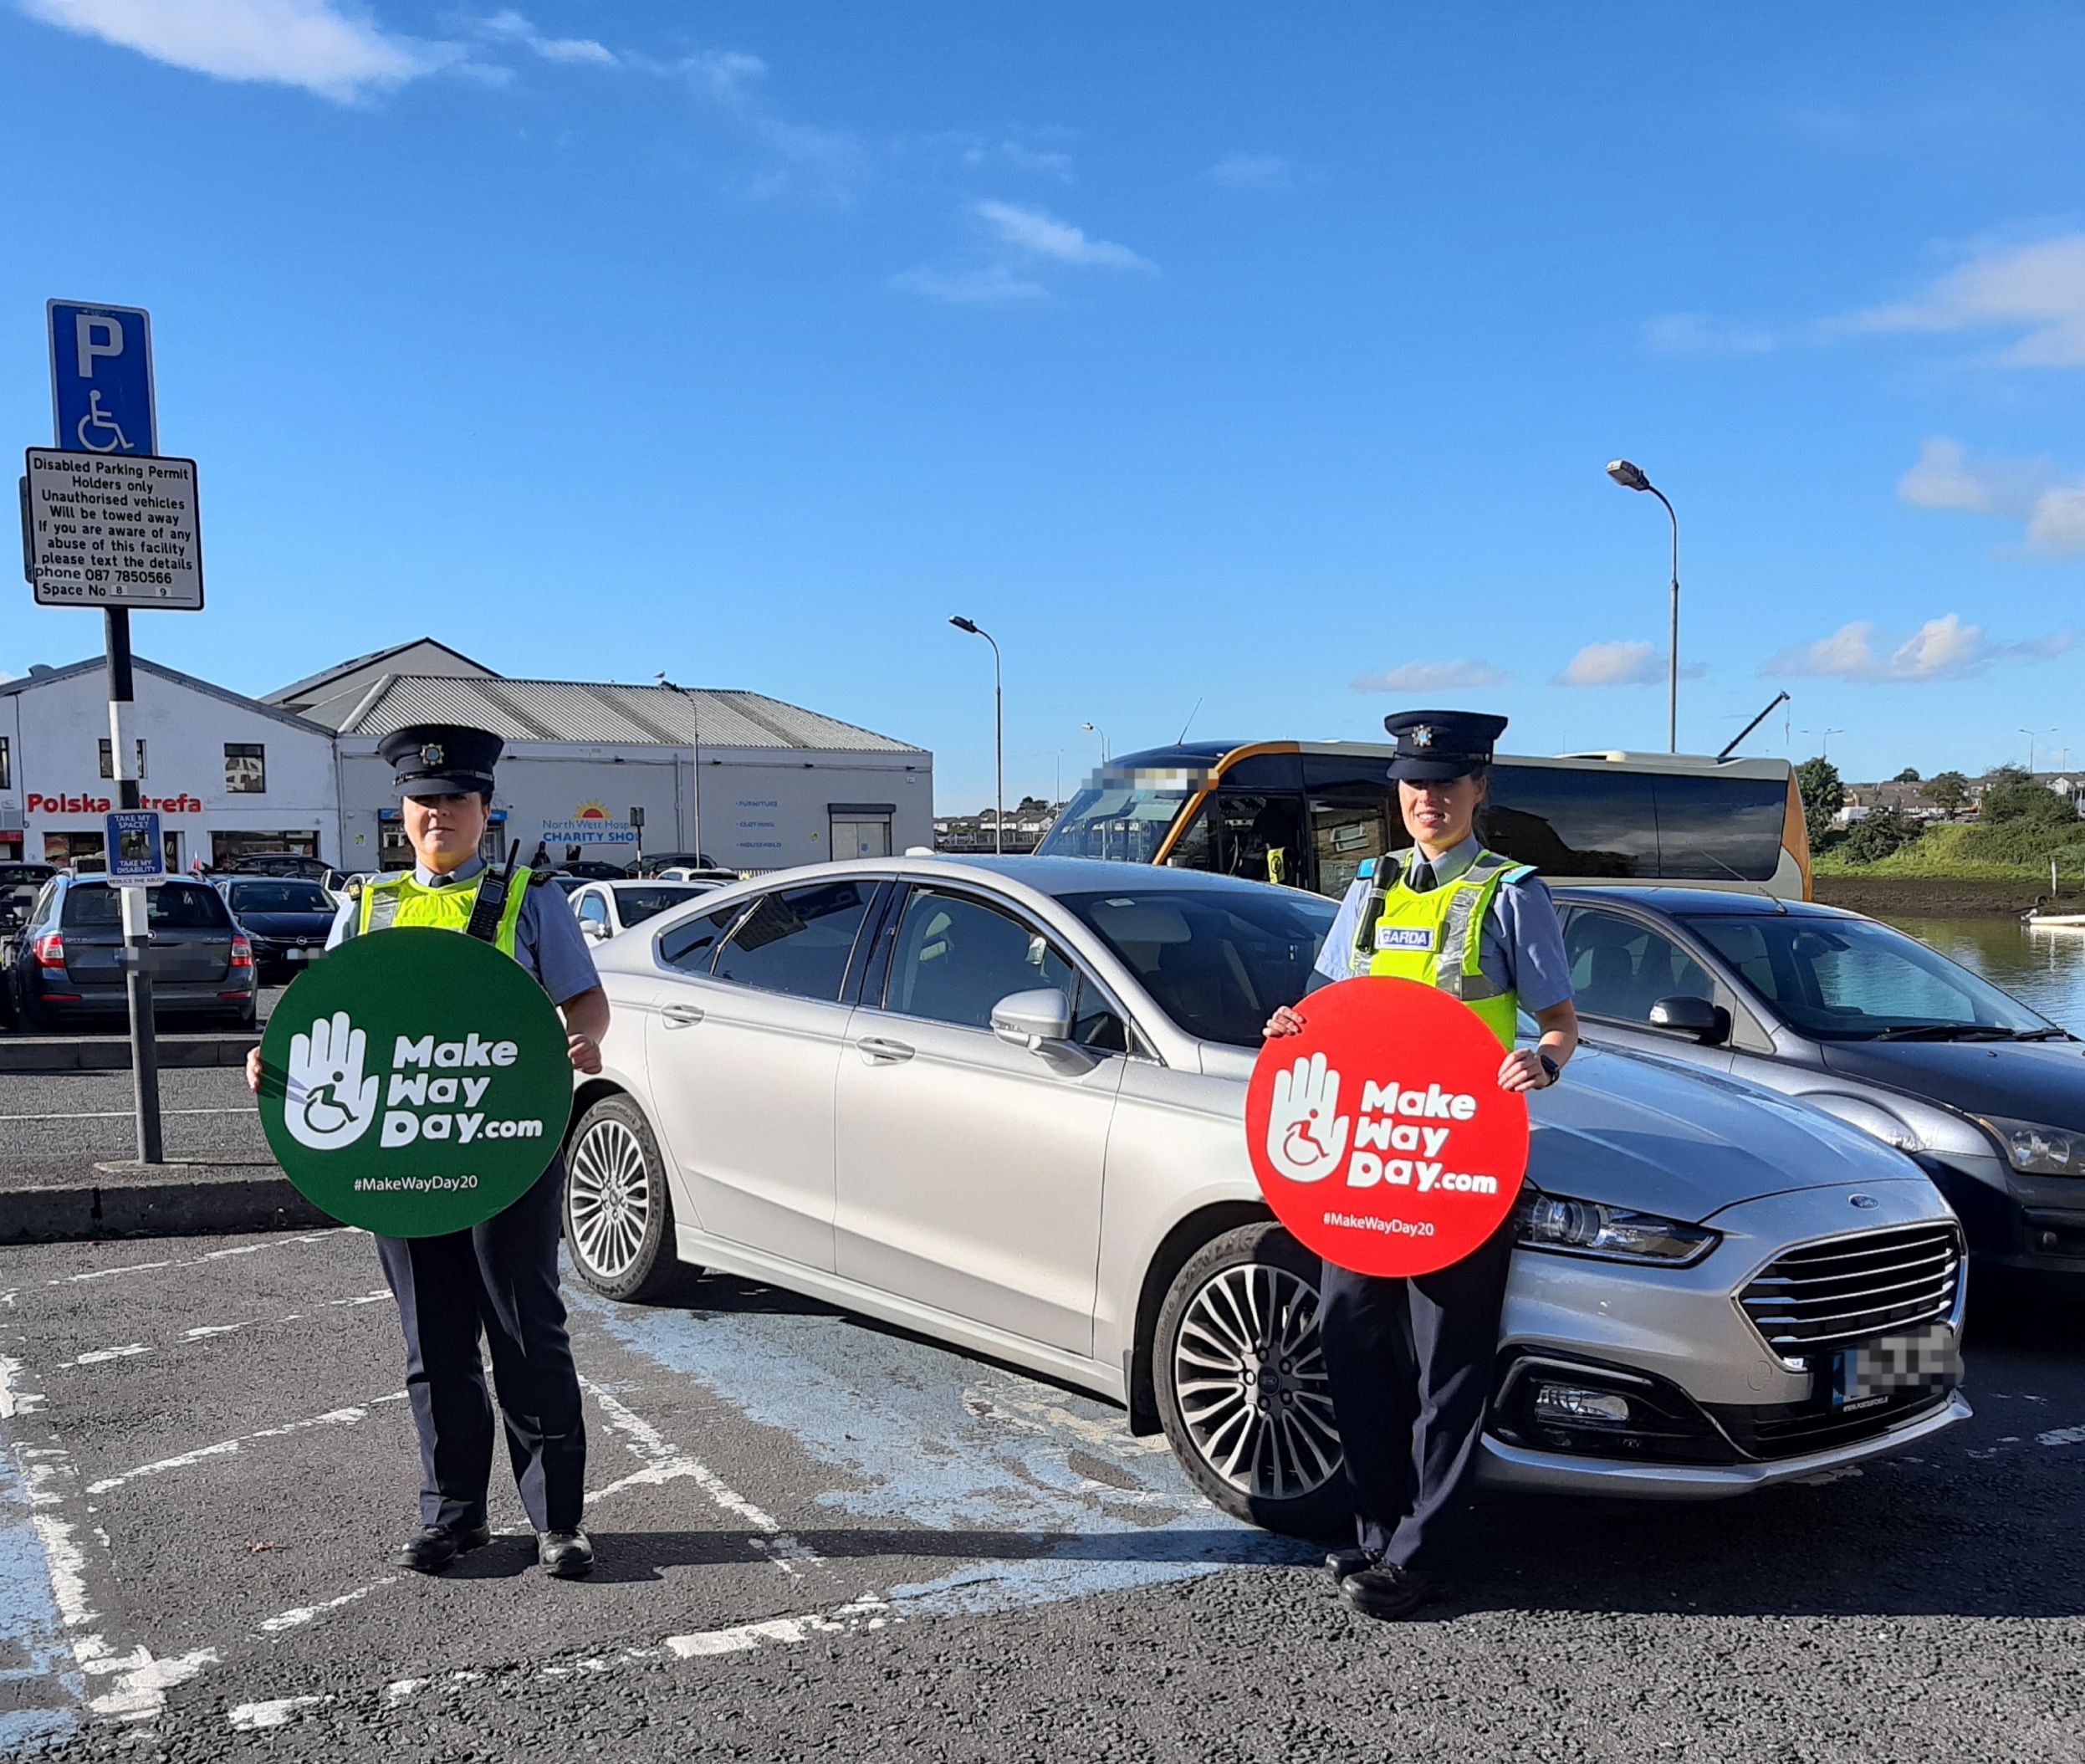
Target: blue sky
(1261, 361)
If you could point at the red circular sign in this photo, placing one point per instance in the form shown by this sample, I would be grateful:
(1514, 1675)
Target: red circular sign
(1379, 1134)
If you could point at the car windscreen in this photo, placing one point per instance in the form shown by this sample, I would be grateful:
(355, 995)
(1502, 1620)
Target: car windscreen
(637, 905)
(1852, 980)
(279, 897)
(1126, 821)
(1217, 961)
(173, 907)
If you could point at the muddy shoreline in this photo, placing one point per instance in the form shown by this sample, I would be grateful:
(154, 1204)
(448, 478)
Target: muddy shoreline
(1914, 897)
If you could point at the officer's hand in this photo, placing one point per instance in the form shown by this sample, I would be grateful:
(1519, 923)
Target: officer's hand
(585, 1051)
(254, 1070)
(1284, 1022)
(1522, 1070)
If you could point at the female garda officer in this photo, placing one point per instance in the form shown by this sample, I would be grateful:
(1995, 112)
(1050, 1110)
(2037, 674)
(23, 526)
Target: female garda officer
(1409, 1361)
(500, 1277)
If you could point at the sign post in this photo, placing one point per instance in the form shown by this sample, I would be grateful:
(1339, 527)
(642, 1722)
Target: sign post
(107, 522)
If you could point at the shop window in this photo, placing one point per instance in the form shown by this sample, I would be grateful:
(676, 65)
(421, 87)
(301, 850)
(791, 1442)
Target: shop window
(107, 758)
(245, 769)
(227, 848)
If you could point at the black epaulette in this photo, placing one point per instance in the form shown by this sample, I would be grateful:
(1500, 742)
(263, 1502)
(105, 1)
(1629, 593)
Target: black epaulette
(538, 877)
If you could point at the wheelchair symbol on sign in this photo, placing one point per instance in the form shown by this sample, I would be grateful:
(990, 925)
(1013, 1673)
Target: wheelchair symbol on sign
(101, 421)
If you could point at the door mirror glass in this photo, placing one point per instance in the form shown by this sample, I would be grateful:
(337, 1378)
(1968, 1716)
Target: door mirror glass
(1682, 1015)
(1029, 1019)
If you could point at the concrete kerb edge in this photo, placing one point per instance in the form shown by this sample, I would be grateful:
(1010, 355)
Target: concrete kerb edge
(180, 1207)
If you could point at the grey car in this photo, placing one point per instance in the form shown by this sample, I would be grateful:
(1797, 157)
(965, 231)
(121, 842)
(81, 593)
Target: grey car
(65, 964)
(1000, 1102)
(1855, 1018)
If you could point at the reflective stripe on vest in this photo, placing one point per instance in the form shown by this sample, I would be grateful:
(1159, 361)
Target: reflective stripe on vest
(1438, 938)
(400, 900)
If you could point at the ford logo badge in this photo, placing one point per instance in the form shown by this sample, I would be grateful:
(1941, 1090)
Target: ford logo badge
(1867, 1202)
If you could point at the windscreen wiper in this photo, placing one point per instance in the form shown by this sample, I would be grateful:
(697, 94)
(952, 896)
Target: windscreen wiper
(1945, 1032)
(2043, 1034)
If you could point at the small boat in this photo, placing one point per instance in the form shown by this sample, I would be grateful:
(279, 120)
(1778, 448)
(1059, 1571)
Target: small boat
(2036, 920)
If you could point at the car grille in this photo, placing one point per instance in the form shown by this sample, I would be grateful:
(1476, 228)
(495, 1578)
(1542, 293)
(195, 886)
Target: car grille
(1826, 1294)
(1790, 1430)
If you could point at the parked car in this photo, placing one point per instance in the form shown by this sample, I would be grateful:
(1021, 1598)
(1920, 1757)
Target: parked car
(63, 964)
(1000, 1102)
(653, 863)
(1859, 1020)
(281, 863)
(697, 873)
(593, 869)
(606, 907)
(286, 919)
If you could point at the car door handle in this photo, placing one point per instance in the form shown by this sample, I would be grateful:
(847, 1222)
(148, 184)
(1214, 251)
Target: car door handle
(681, 1016)
(876, 1048)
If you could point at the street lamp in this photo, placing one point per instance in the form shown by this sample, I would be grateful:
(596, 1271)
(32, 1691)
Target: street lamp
(2031, 733)
(1094, 728)
(999, 735)
(1631, 477)
(1826, 752)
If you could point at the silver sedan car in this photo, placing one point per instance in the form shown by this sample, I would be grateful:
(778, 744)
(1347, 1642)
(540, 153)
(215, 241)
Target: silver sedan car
(1000, 1102)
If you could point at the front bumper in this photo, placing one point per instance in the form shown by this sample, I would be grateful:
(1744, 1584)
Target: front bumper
(1560, 1473)
(2034, 1225)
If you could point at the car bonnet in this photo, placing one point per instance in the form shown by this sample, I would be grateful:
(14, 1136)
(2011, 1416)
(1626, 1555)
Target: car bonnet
(2029, 1080)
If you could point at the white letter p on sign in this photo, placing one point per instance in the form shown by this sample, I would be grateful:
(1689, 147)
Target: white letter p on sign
(85, 325)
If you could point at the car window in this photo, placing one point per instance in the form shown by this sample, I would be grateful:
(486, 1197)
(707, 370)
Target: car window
(797, 940)
(690, 946)
(279, 897)
(957, 958)
(592, 908)
(1218, 963)
(1620, 967)
(637, 905)
(173, 907)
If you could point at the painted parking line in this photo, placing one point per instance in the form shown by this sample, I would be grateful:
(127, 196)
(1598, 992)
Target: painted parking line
(2062, 1436)
(203, 1332)
(347, 1417)
(129, 1269)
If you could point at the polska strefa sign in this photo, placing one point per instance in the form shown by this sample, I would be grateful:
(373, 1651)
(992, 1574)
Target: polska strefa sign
(415, 1082)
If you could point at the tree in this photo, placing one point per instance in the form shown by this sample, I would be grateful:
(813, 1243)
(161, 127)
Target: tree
(1908, 775)
(1823, 795)
(1881, 834)
(1947, 791)
(2019, 799)
(1032, 805)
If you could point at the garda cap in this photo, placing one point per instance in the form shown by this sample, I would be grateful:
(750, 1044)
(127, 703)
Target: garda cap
(1434, 745)
(440, 758)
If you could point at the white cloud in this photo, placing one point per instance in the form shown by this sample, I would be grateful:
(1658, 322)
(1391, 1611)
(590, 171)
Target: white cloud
(1694, 333)
(994, 285)
(1464, 672)
(510, 27)
(2057, 525)
(1614, 664)
(1255, 171)
(1032, 230)
(330, 47)
(1941, 649)
(2037, 290)
(2053, 507)
(723, 74)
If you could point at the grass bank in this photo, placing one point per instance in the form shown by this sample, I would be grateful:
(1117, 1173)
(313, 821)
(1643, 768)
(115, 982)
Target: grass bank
(1971, 872)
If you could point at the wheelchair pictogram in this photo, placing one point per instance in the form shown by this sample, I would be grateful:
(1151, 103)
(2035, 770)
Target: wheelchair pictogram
(99, 419)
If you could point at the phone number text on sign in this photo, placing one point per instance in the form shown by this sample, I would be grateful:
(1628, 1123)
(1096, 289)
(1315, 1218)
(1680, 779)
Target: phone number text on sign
(1380, 1135)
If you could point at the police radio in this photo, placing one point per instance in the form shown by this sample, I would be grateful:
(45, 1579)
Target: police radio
(492, 899)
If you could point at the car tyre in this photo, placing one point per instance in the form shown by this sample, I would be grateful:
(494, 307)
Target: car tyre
(618, 1215)
(1240, 1382)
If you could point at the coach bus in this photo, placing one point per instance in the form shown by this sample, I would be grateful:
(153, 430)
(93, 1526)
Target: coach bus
(1307, 814)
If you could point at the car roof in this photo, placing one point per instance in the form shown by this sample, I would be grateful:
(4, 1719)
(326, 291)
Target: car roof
(1703, 902)
(1056, 876)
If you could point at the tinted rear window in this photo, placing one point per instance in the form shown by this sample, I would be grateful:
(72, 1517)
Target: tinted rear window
(279, 897)
(173, 906)
(1636, 825)
(1720, 829)
(638, 904)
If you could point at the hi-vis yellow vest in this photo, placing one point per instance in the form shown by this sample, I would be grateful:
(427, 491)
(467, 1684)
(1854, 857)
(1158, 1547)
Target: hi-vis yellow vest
(1438, 938)
(400, 900)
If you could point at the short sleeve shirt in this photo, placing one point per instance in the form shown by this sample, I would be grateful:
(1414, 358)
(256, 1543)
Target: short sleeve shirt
(547, 937)
(1522, 946)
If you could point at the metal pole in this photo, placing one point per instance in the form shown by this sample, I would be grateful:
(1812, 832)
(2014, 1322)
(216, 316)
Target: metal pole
(1672, 674)
(137, 933)
(998, 752)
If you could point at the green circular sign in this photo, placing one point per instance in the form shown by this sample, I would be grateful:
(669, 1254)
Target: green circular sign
(414, 1082)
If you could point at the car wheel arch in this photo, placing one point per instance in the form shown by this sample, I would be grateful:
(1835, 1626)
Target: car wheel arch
(1175, 1249)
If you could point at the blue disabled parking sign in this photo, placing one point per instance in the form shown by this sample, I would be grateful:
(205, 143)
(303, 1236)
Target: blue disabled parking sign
(101, 378)
(136, 853)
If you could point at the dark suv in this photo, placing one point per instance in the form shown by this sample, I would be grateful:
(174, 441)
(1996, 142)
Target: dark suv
(64, 964)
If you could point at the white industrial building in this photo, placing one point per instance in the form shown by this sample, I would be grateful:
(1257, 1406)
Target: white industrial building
(591, 769)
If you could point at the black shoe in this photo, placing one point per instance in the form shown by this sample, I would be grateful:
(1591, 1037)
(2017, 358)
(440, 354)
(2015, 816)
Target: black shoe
(1386, 1591)
(1343, 1562)
(438, 1546)
(565, 1555)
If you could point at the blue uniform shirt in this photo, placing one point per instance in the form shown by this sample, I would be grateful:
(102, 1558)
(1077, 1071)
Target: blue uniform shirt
(1522, 946)
(547, 938)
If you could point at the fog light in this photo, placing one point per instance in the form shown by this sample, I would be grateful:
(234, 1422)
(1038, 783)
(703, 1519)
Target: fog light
(1575, 1402)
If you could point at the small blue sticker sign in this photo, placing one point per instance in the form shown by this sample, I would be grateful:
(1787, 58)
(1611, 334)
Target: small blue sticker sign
(136, 852)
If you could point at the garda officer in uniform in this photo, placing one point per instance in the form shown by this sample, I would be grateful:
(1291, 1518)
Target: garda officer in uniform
(1410, 1361)
(499, 1278)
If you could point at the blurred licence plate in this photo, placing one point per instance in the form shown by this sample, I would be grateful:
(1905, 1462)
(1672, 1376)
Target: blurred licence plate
(1891, 1367)
(292, 955)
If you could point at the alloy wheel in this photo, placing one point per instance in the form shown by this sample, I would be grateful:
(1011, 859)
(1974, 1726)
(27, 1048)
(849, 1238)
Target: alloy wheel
(609, 1198)
(1250, 1373)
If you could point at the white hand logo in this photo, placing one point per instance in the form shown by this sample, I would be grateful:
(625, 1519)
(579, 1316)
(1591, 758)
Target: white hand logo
(1306, 1135)
(327, 1102)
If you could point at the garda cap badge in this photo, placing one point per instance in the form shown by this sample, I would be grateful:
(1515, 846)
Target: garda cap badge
(1422, 734)
(431, 755)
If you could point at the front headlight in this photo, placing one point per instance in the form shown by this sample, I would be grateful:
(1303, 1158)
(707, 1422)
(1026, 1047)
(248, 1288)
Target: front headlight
(2038, 1150)
(1613, 1234)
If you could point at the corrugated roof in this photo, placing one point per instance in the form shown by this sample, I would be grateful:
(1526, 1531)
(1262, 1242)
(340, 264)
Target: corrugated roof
(306, 687)
(578, 710)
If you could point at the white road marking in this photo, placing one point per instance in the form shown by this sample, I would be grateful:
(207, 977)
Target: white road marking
(205, 1331)
(244, 1717)
(2062, 1436)
(197, 1262)
(866, 1612)
(665, 1462)
(128, 1114)
(299, 1615)
(225, 1448)
(96, 1358)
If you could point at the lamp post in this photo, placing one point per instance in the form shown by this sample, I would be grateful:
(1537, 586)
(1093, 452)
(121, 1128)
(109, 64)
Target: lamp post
(1825, 752)
(999, 735)
(1631, 477)
(2031, 733)
(1094, 728)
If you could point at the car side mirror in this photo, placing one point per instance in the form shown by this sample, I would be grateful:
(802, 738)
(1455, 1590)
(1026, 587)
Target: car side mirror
(1031, 1019)
(1685, 1015)
(595, 928)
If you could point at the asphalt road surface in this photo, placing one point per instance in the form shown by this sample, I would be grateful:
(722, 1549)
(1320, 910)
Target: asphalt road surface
(820, 1538)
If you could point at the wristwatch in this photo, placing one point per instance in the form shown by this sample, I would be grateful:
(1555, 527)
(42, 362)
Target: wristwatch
(1549, 1065)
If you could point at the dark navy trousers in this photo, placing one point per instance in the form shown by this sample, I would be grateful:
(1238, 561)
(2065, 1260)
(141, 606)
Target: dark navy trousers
(499, 1281)
(1410, 1364)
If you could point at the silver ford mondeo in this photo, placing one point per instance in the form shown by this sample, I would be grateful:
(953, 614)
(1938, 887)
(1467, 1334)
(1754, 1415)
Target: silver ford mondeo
(1000, 1102)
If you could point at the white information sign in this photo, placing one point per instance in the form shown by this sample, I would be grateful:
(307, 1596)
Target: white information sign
(109, 531)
